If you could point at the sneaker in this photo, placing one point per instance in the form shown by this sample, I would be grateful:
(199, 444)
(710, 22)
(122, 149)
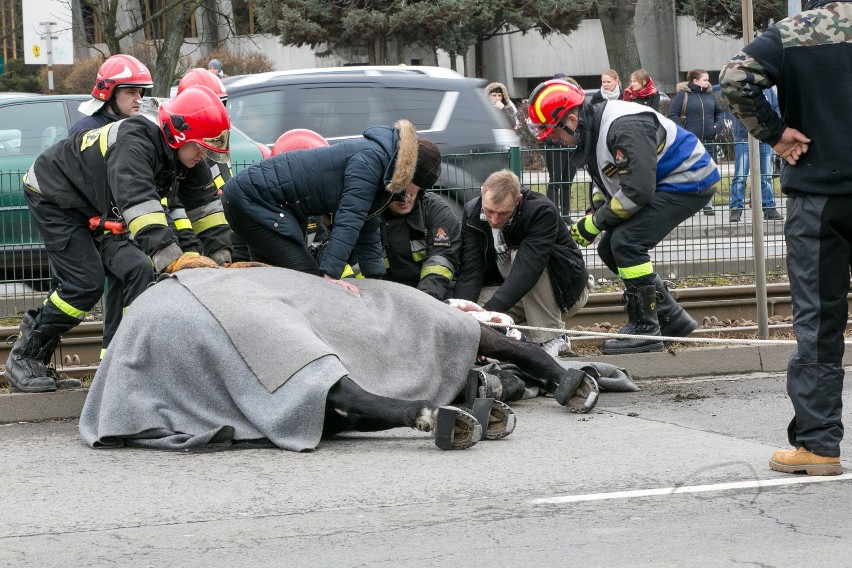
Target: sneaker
(772, 214)
(735, 215)
(558, 347)
(707, 210)
(800, 460)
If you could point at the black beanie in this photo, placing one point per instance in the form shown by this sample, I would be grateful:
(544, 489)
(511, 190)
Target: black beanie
(428, 164)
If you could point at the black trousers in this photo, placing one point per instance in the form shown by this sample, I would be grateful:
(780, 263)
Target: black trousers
(624, 249)
(75, 265)
(560, 174)
(129, 272)
(265, 245)
(818, 232)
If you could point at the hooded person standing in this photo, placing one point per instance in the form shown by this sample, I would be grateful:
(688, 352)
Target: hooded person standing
(269, 203)
(498, 94)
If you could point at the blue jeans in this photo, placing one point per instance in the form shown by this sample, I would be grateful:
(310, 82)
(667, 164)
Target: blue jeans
(741, 167)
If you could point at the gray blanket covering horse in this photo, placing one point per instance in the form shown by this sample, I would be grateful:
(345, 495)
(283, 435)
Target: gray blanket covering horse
(212, 357)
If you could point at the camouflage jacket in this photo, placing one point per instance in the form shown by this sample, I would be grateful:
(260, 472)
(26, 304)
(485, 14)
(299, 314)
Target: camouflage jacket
(809, 57)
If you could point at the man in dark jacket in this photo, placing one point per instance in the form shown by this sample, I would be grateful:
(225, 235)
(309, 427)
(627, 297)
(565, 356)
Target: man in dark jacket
(812, 135)
(421, 238)
(269, 203)
(518, 258)
(120, 169)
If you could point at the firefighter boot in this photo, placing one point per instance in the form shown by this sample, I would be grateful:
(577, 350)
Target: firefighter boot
(25, 370)
(674, 321)
(642, 308)
(44, 355)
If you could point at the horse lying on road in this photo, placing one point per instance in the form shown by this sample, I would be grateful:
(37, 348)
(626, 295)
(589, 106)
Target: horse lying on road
(212, 357)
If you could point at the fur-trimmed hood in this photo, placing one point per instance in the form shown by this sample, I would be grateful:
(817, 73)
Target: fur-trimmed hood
(504, 92)
(406, 157)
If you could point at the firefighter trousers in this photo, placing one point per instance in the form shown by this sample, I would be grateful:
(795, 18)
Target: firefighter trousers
(624, 249)
(128, 271)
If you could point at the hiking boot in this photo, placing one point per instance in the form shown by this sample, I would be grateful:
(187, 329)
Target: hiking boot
(800, 460)
(735, 215)
(772, 214)
(558, 347)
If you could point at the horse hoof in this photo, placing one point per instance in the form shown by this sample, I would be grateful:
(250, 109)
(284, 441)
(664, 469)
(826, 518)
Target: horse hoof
(585, 398)
(456, 429)
(481, 385)
(497, 419)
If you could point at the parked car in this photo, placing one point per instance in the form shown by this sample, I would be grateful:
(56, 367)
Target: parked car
(29, 124)
(342, 102)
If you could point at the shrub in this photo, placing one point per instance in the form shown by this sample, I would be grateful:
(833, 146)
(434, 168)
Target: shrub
(238, 63)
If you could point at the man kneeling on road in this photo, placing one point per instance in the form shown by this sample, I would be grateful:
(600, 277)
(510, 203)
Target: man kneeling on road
(518, 258)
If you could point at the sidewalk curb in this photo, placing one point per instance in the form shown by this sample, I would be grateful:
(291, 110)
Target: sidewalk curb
(702, 361)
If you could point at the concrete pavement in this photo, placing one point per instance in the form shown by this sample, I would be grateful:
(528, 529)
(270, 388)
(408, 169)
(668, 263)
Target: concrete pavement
(562, 490)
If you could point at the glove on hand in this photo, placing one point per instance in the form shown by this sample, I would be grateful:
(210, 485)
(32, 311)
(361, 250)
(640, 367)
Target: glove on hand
(190, 260)
(584, 231)
(245, 264)
(221, 256)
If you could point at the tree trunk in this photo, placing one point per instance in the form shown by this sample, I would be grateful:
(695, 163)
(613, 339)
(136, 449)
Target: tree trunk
(620, 37)
(479, 59)
(168, 53)
(211, 23)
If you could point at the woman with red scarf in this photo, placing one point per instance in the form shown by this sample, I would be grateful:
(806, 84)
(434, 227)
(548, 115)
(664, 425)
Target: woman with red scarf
(642, 90)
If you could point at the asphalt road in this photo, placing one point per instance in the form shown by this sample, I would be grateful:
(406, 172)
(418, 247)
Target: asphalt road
(562, 490)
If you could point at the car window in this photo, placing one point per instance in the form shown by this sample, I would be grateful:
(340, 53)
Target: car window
(260, 115)
(417, 105)
(30, 128)
(335, 111)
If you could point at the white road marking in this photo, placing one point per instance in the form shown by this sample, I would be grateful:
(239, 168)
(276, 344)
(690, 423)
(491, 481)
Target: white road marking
(690, 489)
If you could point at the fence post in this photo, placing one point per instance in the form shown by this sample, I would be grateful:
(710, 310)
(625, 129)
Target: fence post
(515, 160)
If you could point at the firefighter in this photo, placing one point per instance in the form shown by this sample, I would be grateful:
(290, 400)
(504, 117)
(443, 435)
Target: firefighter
(121, 169)
(421, 238)
(221, 171)
(650, 175)
(121, 83)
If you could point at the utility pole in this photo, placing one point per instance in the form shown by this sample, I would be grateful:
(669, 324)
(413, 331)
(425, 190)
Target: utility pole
(48, 34)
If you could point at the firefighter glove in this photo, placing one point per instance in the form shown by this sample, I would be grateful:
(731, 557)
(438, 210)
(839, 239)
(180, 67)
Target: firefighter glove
(221, 256)
(190, 260)
(584, 231)
(245, 264)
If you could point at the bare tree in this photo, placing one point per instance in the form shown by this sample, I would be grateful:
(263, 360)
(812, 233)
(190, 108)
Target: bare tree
(617, 21)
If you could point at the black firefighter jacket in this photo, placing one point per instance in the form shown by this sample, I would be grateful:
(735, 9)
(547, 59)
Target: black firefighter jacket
(353, 180)
(422, 248)
(126, 167)
(541, 238)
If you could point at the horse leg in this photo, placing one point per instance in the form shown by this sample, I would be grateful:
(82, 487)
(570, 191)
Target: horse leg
(570, 387)
(365, 411)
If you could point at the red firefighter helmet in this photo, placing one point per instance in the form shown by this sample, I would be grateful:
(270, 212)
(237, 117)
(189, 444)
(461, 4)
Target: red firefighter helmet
(548, 103)
(120, 70)
(199, 76)
(196, 115)
(298, 139)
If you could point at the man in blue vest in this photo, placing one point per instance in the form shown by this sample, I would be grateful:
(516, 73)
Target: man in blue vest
(650, 175)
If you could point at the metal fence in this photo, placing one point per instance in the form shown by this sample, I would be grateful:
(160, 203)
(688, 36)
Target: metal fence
(702, 245)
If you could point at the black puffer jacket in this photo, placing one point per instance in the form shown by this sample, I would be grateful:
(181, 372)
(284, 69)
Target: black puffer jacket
(541, 238)
(353, 180)
(703, 113)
